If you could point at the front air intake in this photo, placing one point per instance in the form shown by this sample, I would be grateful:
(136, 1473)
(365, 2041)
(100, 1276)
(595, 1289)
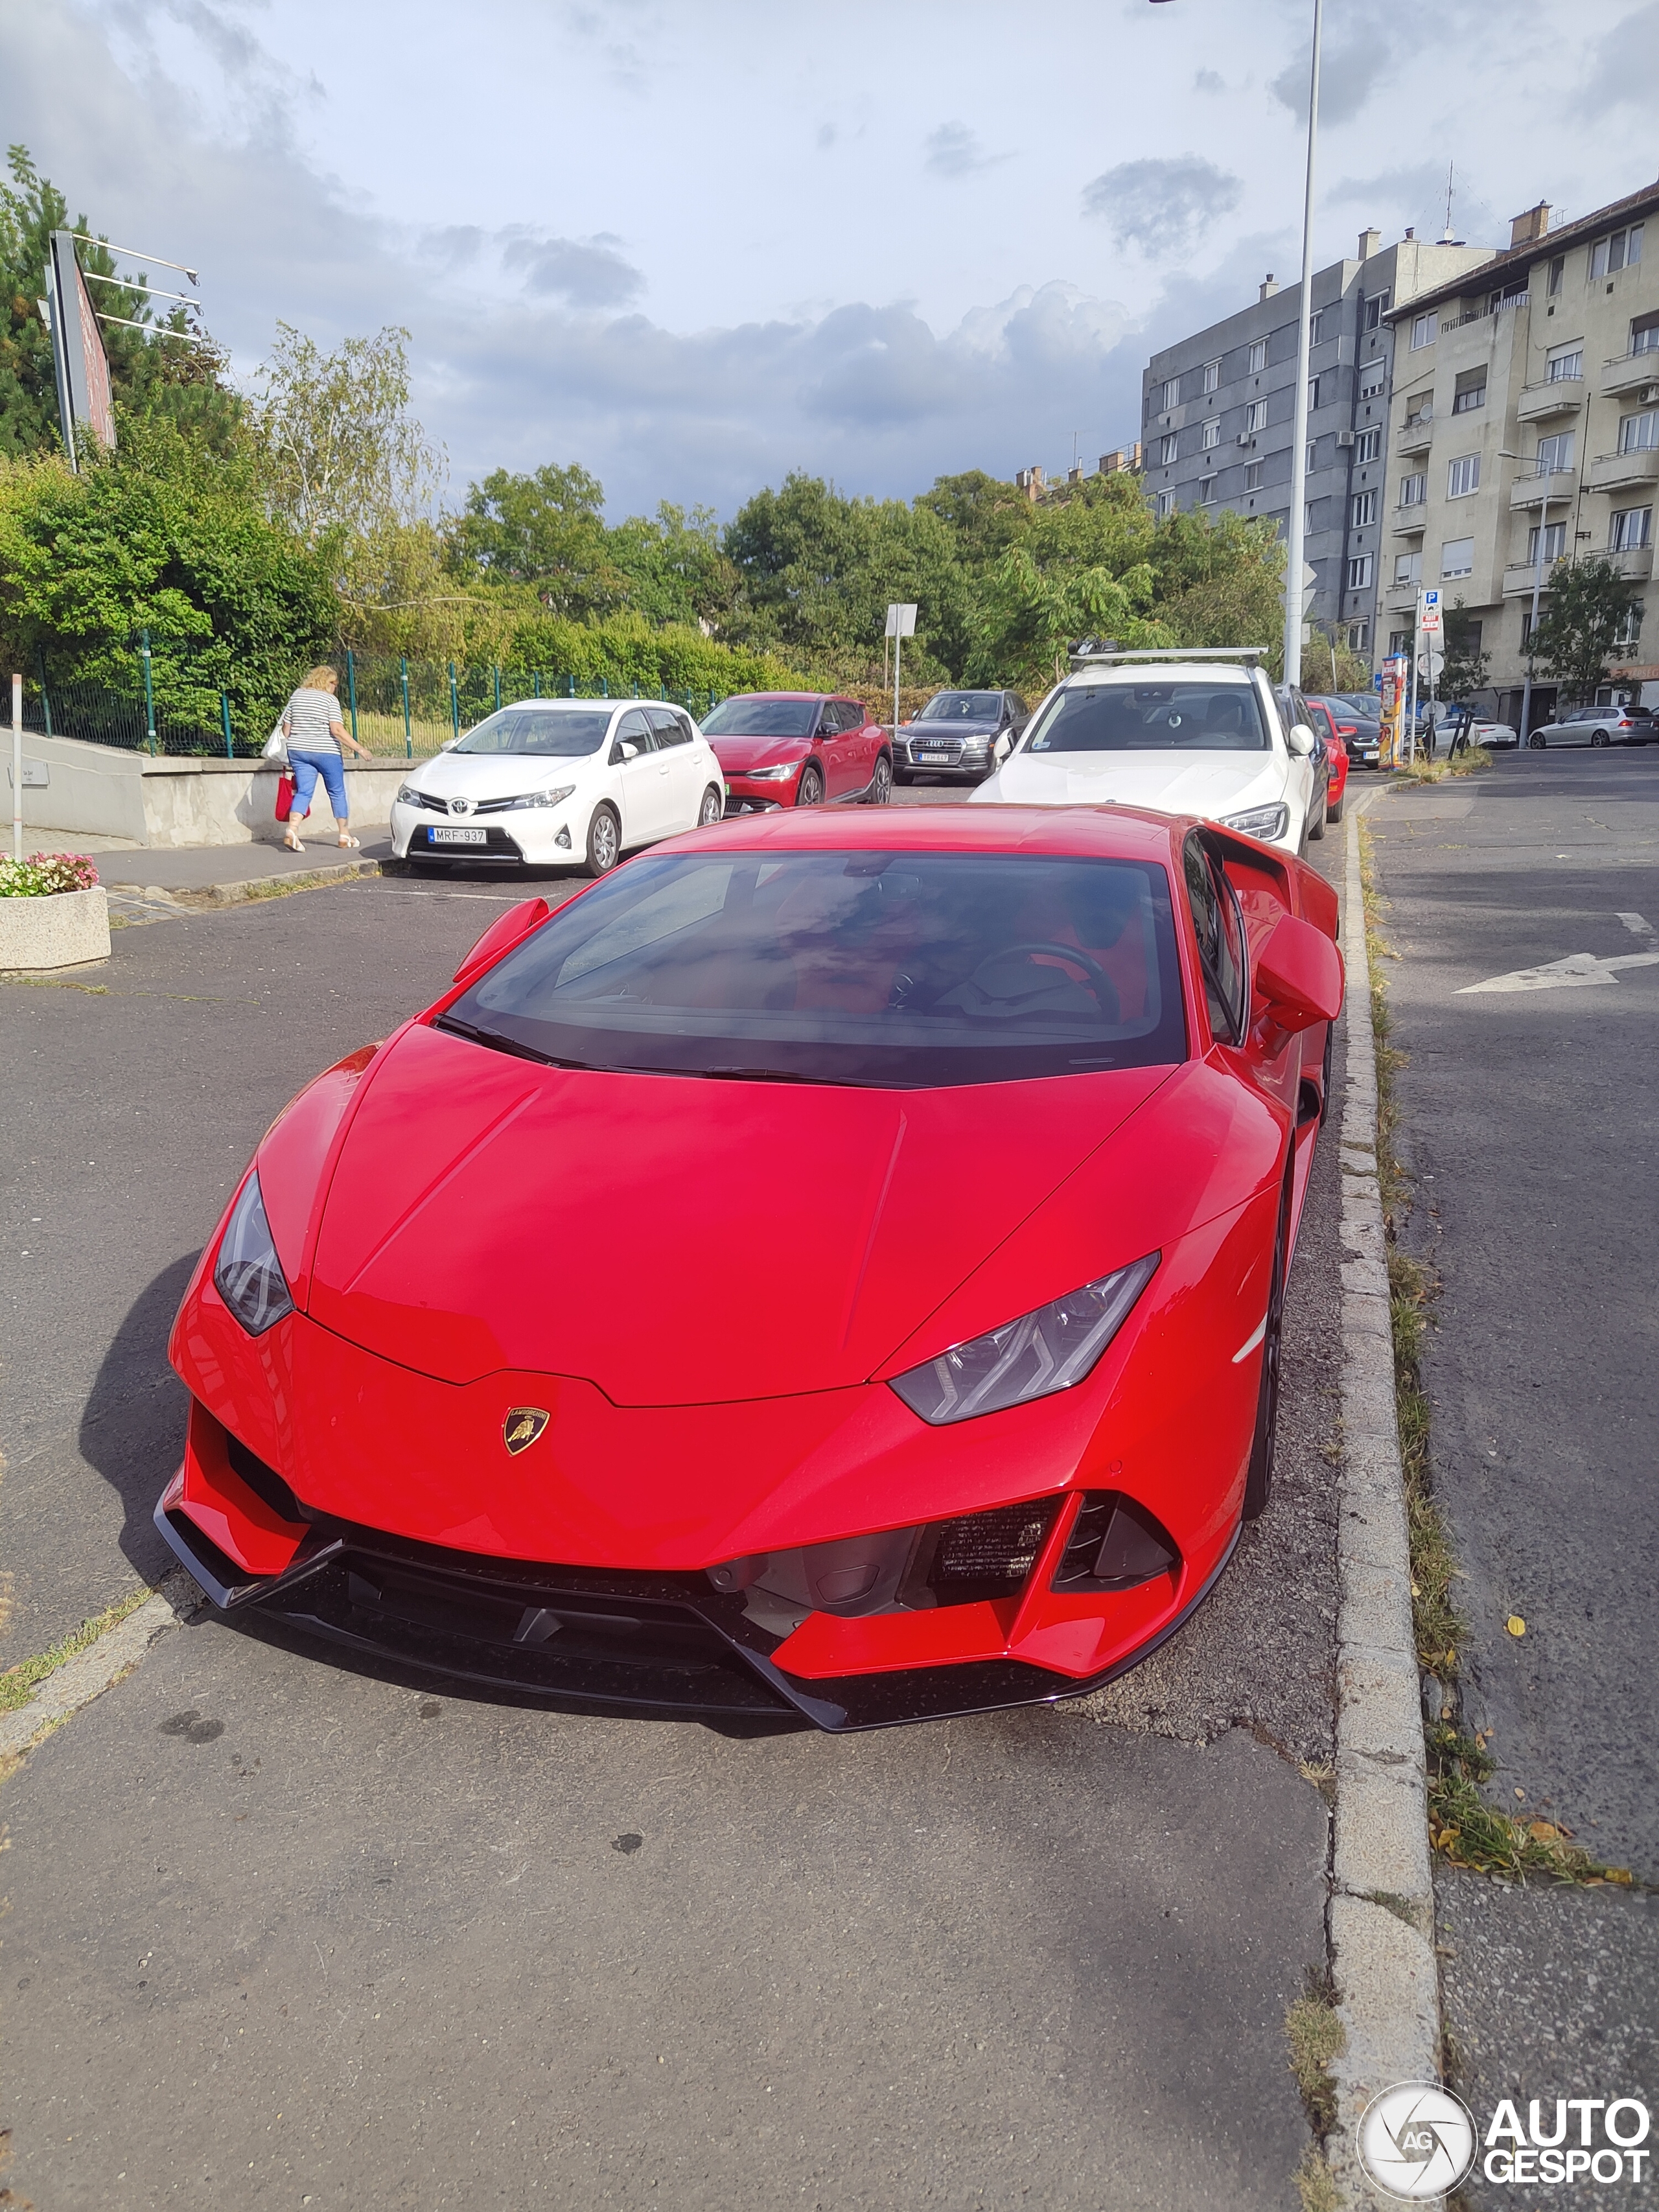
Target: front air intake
(1114, 1544)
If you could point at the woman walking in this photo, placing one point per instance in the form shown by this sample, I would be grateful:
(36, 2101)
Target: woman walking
(316, 741)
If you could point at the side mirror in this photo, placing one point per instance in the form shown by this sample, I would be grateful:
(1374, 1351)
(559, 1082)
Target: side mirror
(1005, 746)
(1300, 739)
(449, 744)
(501, 936)
(1299, 975)
(629, 750)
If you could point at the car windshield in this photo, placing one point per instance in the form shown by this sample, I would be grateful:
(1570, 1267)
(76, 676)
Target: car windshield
(962, 707)
(888, 970)
(762, 718)
(1174, 717)
(551, 732)
(1363, 703)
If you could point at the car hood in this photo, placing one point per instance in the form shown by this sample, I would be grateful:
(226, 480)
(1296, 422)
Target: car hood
(497, 775)
(737, 754)
(675, 1241)
(1210, 784)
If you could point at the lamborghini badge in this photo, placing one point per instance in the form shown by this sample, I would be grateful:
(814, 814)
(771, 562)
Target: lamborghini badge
(523, 1424)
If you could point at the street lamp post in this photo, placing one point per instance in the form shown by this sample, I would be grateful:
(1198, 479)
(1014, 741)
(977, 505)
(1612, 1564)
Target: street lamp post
(1296, 521)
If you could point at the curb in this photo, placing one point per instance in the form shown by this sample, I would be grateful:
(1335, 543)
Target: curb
(99, 1668)
(182, 895)
(1381, 1919)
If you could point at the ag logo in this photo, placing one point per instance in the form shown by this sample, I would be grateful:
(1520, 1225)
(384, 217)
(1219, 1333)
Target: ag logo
(523, 1424)
(1417, 2140)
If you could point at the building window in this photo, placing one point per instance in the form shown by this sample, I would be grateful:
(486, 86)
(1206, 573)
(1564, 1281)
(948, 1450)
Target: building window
(1314, 383)
(1555, 454)
(1407, 568)
(1310, 517)
(1211, 433)
(1628, 528)
(1526, 628)
(1638, 433)
(1166, 451)
(1375, 308)
(1644, 334)
(1359, 572)
(1255, 416)
(1207, 491)
(1400, 640)
(1554, 542)
(1420, 410)
(1424, 331)
(1358, 632)
(1172, 393)
(1363, 510)
(1258, 356)
(1622, 250)
(1557, 270)
(1369, 446)
(1413, 489)
(1457, 558)
(1315, 324)
(1469, 639)
(1212, 375)
(1371, 379)
(1253, 476)
(1471, 392)
(1165, 504)
(1566, 364)
(1464, 477)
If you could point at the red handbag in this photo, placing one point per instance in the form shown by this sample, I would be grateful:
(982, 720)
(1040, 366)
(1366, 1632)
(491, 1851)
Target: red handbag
(285, 798)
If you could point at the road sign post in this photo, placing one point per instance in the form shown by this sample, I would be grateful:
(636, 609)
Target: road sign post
(901, 624)
(17, 767)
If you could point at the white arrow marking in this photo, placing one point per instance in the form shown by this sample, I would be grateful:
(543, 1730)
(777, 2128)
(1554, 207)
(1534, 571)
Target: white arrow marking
(1578, 967)
(1637, 927)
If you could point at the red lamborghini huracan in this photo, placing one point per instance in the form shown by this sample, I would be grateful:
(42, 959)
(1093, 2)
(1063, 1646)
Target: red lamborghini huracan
(832, 1268)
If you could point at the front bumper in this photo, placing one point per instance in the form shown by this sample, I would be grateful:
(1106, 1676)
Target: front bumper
(533, 837)
(962, 762)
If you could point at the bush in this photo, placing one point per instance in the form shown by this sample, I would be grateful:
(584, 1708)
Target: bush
(43, 873)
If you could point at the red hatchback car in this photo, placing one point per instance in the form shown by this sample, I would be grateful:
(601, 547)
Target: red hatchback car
(800, 748)
(504, 1362)
(1336, 727)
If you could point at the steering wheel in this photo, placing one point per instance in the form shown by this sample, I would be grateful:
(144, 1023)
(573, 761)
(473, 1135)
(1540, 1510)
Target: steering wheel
(1074, 953)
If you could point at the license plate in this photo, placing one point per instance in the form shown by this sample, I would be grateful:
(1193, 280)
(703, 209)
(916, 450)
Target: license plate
(934, 756)
(459, 836)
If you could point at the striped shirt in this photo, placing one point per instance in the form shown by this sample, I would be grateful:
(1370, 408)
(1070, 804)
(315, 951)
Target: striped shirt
(308, 715)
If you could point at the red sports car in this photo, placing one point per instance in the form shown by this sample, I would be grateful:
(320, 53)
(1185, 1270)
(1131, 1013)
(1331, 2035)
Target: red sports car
(824, 1269)
(799, 749)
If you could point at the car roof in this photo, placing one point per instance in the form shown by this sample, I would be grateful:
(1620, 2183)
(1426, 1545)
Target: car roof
(564, 705)
(1089, 832)
(1161, 672)
(783, 694)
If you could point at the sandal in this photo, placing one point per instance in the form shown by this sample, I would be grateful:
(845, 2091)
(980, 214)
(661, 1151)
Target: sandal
(292, 844)
(349, 844)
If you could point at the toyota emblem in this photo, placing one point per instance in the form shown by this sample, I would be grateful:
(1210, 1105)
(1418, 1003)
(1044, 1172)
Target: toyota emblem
(460, 806)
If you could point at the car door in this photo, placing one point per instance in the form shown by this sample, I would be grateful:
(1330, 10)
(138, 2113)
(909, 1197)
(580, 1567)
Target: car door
(864, 737)
(1305, 767)
(678, 762)
(644, 788)
(838, 751)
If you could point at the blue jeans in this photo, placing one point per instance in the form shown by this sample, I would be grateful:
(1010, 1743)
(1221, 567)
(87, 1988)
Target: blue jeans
(306, 768)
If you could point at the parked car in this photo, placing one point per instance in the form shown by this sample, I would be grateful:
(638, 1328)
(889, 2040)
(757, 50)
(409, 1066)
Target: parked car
(550, 781)
(1364, 741)
(1598, 726)
(1447, 719)
(959, 735)
(799, 749)
(1335, 722)
(887, 1452)
(1187, 733)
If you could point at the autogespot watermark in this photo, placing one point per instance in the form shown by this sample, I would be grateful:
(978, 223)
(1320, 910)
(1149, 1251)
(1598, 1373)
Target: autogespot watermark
(1417, 2140)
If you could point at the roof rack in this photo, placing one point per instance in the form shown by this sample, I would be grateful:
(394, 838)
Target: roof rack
(1088, 655)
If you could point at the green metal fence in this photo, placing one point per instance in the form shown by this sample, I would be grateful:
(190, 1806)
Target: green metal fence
(163, 696)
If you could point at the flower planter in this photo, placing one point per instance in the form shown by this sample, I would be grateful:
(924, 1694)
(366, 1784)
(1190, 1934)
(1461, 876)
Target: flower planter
(58, 931)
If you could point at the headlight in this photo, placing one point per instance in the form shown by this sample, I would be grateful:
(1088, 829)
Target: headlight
(247, 1274)
(1042, 1352)
(408, 796)
(1264, 822)
(781, 774)
(553, 798)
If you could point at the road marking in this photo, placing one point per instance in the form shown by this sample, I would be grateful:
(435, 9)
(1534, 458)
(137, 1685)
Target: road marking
(1578, 969)
(1251, 1340)
(1637, 927)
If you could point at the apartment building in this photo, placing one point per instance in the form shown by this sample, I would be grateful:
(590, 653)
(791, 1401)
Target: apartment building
(1218, 415)
(1524, 428)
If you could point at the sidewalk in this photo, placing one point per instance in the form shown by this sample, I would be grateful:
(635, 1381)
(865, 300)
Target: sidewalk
(200, 868)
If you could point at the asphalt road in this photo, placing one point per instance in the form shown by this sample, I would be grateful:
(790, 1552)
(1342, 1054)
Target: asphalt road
(337, 1939)
(1530, 1120)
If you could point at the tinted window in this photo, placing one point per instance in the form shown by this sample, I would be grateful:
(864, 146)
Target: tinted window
(1113, 718)
(962, 707)
(890, 969)
(553, 733)
(848, 716)
(1221, 941)
(762, 718)
(635, 730)
(670, 730)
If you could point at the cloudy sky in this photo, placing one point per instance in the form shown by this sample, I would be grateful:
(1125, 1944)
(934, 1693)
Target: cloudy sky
(692, 244)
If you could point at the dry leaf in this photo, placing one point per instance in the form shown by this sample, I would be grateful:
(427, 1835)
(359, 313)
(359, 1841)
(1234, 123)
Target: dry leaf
(1516, 1626)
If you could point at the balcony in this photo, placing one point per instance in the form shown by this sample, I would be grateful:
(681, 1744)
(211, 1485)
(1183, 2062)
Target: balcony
(1541, 484)
(1557, 396)
(1400, 599)
(1408, 521)
(1632, 373)
(1636, 562)
(1415, 435)
(1518, 579)
(1637, 472)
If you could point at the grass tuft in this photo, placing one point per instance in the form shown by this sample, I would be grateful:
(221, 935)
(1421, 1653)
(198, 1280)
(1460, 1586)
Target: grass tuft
(18, 1683)
(1316, 2034)
(1437, 769)
(1315, 2184)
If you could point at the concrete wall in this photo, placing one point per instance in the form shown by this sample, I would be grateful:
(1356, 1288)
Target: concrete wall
(179, 803)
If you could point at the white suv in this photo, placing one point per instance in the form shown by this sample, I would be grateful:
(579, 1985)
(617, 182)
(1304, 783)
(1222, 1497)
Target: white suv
(1187, 731)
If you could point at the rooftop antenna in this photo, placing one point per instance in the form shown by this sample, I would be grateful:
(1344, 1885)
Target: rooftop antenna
(1446, 238)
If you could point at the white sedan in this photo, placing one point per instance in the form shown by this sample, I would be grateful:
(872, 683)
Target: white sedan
(1185, 736)
(554, 782)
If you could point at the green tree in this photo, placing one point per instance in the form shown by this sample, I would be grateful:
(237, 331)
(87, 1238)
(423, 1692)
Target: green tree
(672, 566)
(339, 456)
(545, 530)
(1592, 613)
(1032, 616)
(1467, 666)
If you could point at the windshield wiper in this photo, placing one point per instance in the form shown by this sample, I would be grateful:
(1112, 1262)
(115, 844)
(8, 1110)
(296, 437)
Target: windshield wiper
(786, 1075)
(497, 1043)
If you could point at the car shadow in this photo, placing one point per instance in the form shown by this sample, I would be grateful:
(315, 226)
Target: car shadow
(132, 1425)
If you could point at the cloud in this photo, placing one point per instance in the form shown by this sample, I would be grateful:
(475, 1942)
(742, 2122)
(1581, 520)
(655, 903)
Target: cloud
(1205, 79)
(1350, 70)
(585, 272)
(1159, 205)
(954, 150)
(1626, 65)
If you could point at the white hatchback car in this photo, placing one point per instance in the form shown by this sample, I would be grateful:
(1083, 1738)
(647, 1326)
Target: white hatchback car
(554, 782)
(1185, 732)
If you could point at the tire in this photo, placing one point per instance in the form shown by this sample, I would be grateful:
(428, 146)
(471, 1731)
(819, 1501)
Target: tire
(1258, 1483)
(810, 790)
(1536, 742)
(1598, 738)
(604, 842)
(881, 784)
(712, 809)
(1334, 813)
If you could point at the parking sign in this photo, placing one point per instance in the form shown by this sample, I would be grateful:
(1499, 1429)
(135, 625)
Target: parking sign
(1428, 613)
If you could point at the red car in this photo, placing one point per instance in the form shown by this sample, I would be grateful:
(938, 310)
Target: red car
(799, 749)
(1336, 727)
(649, 1323)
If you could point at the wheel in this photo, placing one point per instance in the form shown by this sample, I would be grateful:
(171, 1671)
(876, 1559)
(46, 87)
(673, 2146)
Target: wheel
(713, 808)
(1258, 1483)
(1334, 813)
(1535, 742)
(881, 787)
(1598, 737)
(604, 842)
(810, 793)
